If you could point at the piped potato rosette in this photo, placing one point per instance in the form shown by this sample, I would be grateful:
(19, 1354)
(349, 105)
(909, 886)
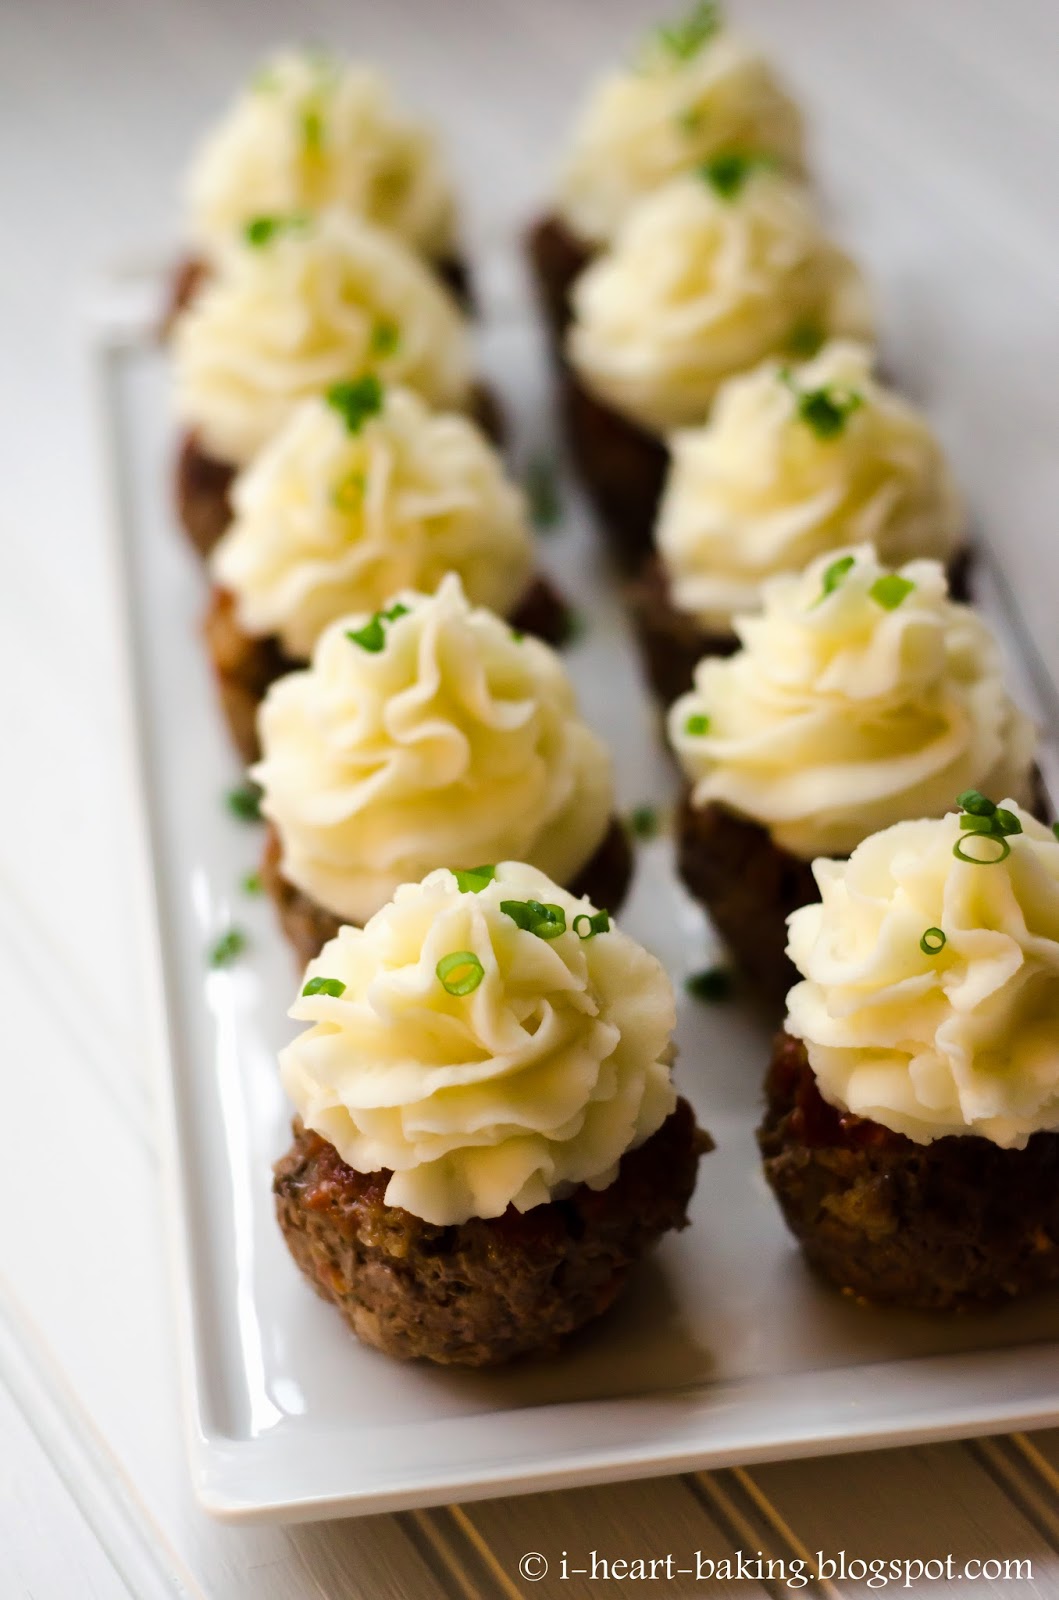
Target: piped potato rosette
(430, 732)
(537, 1074)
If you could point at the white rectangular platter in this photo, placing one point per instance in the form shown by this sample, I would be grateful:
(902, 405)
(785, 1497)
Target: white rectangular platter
(724, 1349)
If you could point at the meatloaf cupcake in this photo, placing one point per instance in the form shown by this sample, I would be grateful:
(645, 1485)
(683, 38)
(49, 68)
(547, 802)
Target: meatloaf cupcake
(308, 132)
(694, 91)
(795, 461)
(430, 733)
(364, 492)
(860, 697)
(488, 1137)
(708, 276)
(302, 303)
(912, 1129)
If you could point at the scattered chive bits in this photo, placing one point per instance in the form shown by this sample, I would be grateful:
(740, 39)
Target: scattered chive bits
(312, 129)
(356, 399)
(593, 923)
(889, 590)
(1055, 829)
(261, 231)
(643, 822)
(712, 984)
(834, 576)
(250, 883)
(385, 338)
(460, 972)
(697, 725)
(682, 40)
(542, 492)
(472, 880)
(329, 986)
(244, 801)
(933, 942)
(728, 172)
(825, 410)
(228, 948)
(372, 637)
(547, 921)
(983, 819)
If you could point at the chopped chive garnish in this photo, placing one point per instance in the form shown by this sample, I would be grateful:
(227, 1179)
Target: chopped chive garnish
(889, 590)
(824, 410)
(372, 637)
(983, 819)
(643, 822)
(682, 40)
(460, 972)
(545, 920)
(715, 983)
(348, 493)
(518, 635)
(727, 172)
(697, 724)
(597, 922)
(804, 340)
(260, 231)
(330, 986)
(542, 492)
(472, 880)
(251, 883)
(356, 399)
(1055, 829)
(312, 128)
(385, 338)
(933, 941)
(834, 575)
(244, 801)
(227, 948)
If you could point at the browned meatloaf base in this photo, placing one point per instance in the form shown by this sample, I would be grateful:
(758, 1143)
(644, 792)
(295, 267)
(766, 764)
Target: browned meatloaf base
(672, 642)
(190, 275)
(748, 885)
(485, 1291)
(556, 258)
(203, 484)
(308, 926)
(244, 666)
(934, 1227)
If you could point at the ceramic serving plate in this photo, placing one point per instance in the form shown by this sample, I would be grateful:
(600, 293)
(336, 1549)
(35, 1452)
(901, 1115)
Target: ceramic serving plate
(723, 1350)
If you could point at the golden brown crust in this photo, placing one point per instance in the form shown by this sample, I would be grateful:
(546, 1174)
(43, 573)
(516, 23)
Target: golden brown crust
(487, 1290)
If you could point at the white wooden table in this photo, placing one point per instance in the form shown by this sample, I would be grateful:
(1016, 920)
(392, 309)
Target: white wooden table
(938, 122)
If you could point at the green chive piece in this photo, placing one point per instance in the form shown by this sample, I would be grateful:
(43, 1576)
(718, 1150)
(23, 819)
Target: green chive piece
(1055, 829)
(460, 972)
(251, 883)
(804, 340)
(713, 984)
(972, 824)
(356, 399)
(933, 942)
(472, 880)
(542, 492)
(545, 920)
(1005, 822)
(227, 948)
(977, 804)
(697, 724)
(643, 822)
(518, 635)
(348, 494)
(385, 338)
(329, 986)
(372, 637)
(983, 861)
(683, 39)
(889, 590)
(244, 801)
(834, 576)
(260, 231)
(825, 410)
(727, 172)
(312, 128)
(598, 922)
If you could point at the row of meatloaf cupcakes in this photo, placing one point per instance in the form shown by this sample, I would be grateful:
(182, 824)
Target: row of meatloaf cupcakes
(358, 519)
